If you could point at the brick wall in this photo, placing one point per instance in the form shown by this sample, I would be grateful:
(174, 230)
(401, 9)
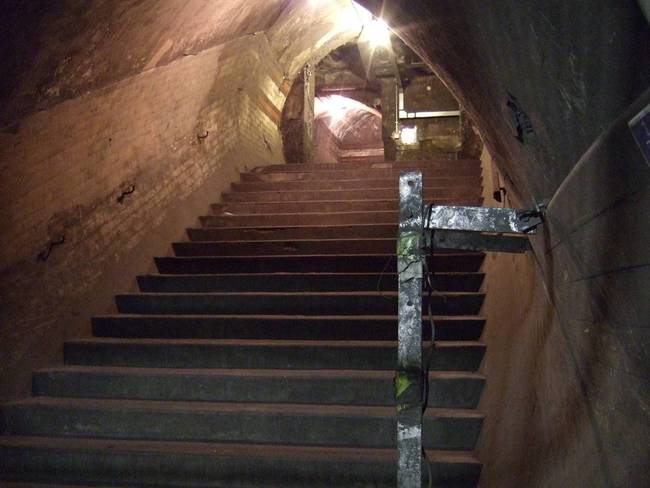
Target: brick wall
(181, 104)
(167, 131)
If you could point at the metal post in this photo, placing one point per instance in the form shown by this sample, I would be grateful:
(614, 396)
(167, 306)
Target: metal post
(408, 379)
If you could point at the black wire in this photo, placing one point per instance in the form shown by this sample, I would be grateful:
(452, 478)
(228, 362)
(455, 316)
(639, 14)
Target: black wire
(381, 277)
(429, 283)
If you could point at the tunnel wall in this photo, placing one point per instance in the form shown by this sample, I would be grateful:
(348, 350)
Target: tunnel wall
(567, 367)
(567, 395)
(170, 100)
(172, 131)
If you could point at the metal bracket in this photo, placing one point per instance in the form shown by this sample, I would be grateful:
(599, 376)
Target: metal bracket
(476, 241)
(482, 228)
(409, 349)
(483, 219)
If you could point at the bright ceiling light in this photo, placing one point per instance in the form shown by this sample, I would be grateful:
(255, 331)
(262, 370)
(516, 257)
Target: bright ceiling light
(374, 30)
(377, 33)
(409, 136)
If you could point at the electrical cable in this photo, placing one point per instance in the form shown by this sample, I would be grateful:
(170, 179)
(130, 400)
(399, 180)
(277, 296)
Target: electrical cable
(381, 277)
(429, 273)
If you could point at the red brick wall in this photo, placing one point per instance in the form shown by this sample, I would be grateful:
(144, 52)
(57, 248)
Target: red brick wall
(65, 168)
(178, 122)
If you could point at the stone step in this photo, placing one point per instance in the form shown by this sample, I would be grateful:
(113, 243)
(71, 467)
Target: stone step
(285, 247)
(293, 232)
(327, 206)
(431, 183)
(298, 219)
(212, 465)
(378, 328)
(18, 484)
(346, 173)
(296, 303)
(262, 354)
(154, 283)
(449, 194)
(376, 263)
(439, 165)
(257, 423)
(446, 389)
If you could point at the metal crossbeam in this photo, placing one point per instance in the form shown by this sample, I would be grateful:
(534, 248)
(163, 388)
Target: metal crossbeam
(408, 379)
(476, 241)
(483, 219)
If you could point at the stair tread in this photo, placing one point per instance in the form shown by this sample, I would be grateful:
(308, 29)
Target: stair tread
(447, 196)
(312, 262)
(406, 165)
(391, 212)
(229, 449)
(281, 317)
(328, 256)
(256, 373)
(392, 345)
(307, 273)
(300, 293)
(376, 168)
(198, 234)
(7, 484)
(301, 202)
(298, 281)
(351, 173)
(376, 178)
(328, 201)
(235, 407)
(343, 239)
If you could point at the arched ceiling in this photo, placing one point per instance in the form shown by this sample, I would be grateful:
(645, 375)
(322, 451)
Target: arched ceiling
(57, 51)
(567, 70)
(344, 115)
(570, 68)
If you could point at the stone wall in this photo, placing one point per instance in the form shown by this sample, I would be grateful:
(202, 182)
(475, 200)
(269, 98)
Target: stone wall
(163, 134)
(162, 105)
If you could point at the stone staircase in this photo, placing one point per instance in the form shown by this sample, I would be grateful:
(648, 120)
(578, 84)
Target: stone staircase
(262, 353)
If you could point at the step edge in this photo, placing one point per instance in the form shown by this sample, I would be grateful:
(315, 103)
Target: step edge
(222, 449)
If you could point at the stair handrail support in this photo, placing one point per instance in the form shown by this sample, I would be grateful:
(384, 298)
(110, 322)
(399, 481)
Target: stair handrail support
(408, 378)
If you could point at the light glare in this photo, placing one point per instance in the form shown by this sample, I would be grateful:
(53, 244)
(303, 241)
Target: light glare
(335, 107)
(409, 135)
(377, 33)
